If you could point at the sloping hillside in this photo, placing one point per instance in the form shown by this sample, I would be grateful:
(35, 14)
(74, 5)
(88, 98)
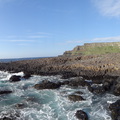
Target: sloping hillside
(95, 49)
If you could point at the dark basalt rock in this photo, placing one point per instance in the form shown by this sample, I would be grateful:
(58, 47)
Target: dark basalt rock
(66, 75)
(96, 89)
(6, 118)
(15, 78)
(20, 106)
(5, 92)
(75, 98)
(99, 90)
(26, 75)
(116, 87)
(115, 110)
(78, 82)
(81, 115)
(78, 92)
(47, 85)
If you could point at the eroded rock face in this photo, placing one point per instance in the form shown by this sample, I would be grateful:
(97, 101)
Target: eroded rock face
(26, 75)
(66, 75)
(81, 115)
(47, 85)
(75, 98)
(116, 87)
(115, 110)
(15, 78)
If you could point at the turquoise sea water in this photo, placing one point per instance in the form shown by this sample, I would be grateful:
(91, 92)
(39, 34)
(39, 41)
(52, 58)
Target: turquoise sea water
(49, 104)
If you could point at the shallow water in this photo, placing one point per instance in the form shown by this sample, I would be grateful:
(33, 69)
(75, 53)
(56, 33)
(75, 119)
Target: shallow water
(49, 104)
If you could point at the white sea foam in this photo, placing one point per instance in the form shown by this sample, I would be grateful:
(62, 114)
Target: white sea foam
(50, 104)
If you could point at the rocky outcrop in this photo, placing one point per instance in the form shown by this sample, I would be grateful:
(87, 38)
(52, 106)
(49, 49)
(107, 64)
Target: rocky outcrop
(47, 85)
(115, 110)
(15, 78)
(81, 115)
(5, 92)
(75, 98)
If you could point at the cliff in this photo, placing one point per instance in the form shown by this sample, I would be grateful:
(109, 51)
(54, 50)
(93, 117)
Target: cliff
(94, 49)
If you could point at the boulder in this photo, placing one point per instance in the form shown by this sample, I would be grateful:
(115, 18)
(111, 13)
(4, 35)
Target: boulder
(26, 75)
(78, 92)
(5, 92)
(115, 110)
(116, 87)
(66, 75)
(78, 82)
(6, 118)
(81, 115)
(15, 78)
(47, 85)
(75, 98)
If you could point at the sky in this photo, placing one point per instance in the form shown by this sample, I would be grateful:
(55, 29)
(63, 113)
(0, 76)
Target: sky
(43, 28)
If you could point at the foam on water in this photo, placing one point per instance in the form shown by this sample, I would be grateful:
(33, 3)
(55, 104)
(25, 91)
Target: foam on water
(49, 104)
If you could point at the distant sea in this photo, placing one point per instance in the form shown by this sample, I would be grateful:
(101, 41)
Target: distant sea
(18, 59)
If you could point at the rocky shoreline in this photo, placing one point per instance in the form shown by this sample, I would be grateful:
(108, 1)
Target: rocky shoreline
(99, 73)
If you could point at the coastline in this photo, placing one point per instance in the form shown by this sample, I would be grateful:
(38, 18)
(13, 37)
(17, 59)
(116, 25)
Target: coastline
(100, 69)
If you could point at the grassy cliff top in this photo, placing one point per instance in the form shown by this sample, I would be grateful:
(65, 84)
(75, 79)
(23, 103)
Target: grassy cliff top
(95, 49)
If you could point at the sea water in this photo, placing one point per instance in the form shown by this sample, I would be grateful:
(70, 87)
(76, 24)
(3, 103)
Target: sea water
(49, 104)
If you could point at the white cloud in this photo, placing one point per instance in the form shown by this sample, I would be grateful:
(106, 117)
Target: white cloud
(108, 7)
(107, 39)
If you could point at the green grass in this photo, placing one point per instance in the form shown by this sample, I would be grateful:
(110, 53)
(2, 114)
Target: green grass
(98, 50)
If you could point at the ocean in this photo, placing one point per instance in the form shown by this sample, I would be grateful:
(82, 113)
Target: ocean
(49, 104)
(18, 59)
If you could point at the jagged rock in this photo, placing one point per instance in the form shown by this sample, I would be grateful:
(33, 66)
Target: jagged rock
(78, 82)
(66, 75)
(26, 75)
(47, 85)
(20, 106)
(115, 110)
(15, 78)
(75, 98)
(81, 115)
(78, 92)
(5, 92)
(116, 87)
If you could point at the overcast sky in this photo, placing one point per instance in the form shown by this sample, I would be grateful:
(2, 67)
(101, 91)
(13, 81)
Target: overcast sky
(39, 28)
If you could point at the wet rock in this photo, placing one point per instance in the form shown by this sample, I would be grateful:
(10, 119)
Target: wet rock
(96, 89)
(78, 82)
(66, 75)
(6, 118)
(116, 90)
(26, 75)
(81, 115)
(20, 106)
(65, 82)
(47, 85)
(116, 87)
(15, 78)
(78, 92)
(75, 98)
(5, 92)
(115, 110)
(99, 90)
